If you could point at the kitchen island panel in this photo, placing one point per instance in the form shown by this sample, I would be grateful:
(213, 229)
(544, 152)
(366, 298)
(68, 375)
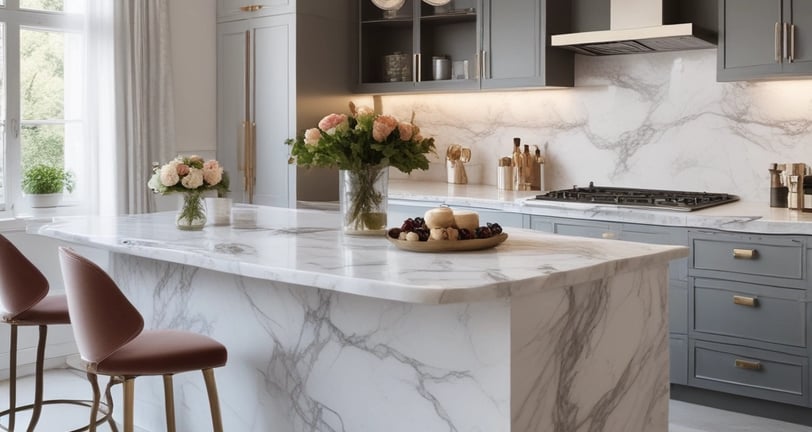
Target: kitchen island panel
(302, 358)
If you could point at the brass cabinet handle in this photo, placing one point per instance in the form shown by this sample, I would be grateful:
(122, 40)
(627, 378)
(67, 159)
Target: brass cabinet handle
(786, 40)
(744, 253)
(778, 42)
(251, 8)
(745, 301)
(747, 364)
(608, 235)
(791, 43)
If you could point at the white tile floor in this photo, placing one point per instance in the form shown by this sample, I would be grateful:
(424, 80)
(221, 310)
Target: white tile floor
(67, 384)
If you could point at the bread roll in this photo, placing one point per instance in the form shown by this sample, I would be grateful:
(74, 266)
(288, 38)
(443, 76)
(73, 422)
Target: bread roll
(466, 219)
(440, 217)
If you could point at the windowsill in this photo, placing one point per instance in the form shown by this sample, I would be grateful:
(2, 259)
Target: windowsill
(23, 216)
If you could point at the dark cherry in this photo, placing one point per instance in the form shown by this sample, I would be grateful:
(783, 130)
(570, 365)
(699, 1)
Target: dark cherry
(483, 232)
(464, 234)
(408, 225)
(394, 233)
(419, 222)
(422, 233)
(496, 229)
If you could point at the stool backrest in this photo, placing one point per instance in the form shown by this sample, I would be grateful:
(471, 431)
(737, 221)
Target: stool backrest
(103, 319)
(22, 285)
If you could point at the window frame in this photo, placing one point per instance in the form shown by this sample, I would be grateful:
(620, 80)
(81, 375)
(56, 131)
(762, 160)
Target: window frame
(14, 19)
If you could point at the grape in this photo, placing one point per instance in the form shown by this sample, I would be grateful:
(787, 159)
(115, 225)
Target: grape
(408, 225)
(394, 233)
(419, 222)
(465, 234)
(423, 233)
(496, 229)
(483, 232)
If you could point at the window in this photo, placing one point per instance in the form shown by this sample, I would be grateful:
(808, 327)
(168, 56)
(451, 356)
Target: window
(41, 91)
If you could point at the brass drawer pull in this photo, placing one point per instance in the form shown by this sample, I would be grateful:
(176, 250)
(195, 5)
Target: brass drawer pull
(251, 8)
(744, 253)
(747, 364)
(745, 301)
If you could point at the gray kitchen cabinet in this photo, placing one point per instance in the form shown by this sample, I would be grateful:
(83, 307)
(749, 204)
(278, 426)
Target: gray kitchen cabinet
(749, 315)
(496, 44)
(270, 87)
(762, 39)
(516, 49)
(677, 270)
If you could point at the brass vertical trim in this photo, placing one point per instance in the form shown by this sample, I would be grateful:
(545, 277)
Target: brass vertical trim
(214, 402)
(791, 43)
(246, 123)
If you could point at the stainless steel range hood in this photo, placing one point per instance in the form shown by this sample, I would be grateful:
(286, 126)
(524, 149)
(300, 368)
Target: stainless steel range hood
(637, 26)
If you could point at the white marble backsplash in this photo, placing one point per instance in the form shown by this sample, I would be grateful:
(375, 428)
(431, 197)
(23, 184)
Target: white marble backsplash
(645, 120)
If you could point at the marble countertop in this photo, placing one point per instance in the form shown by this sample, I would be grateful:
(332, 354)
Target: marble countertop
(740, 216)
(306, 247)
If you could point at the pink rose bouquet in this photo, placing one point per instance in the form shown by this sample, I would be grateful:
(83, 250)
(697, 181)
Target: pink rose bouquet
(189, 174)
(362, 139)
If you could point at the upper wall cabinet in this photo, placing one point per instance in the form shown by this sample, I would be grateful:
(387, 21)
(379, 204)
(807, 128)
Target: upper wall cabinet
(240, 9)
(463, 45)
(762, 39)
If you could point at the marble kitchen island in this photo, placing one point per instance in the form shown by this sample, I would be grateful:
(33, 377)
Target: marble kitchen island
(328, 332)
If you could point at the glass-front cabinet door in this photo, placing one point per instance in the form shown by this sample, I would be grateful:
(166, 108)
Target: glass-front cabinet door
(407, 45)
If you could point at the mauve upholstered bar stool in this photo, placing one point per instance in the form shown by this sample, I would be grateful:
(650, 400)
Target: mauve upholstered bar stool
(112, 341)
(25, 302)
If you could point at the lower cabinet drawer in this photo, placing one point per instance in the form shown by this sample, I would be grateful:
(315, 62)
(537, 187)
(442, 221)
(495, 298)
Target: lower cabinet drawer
(750, 372)
(750, 311)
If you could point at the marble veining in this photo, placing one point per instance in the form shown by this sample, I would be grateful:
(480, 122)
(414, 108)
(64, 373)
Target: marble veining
(657, 120)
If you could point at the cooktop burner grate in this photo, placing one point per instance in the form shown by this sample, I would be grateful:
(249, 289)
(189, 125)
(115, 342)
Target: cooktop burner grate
(660, 199)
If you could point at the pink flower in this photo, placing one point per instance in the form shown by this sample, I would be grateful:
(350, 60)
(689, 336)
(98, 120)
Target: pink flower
(405, 130)
(169, 174)
(212, 172)
(383, 127)
(194, 180)
(312, 136)
(333, 122)
(183, 169)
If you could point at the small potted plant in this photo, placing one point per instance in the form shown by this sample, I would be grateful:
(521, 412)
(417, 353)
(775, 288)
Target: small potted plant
(43, 185)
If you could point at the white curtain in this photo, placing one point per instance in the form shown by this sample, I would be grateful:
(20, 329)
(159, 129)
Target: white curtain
(100, 130)
(144, 108)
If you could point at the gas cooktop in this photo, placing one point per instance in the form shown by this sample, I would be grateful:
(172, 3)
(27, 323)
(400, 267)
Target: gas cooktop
(631, 197)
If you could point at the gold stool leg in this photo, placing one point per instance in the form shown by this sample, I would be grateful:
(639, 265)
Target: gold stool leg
(12, 380)
(35, 414)
(129, 396)
(169, 403)
(109, 396)
(214, 403)
(94, 409)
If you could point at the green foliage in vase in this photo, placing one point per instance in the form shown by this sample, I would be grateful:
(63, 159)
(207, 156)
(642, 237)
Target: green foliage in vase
(45, 179)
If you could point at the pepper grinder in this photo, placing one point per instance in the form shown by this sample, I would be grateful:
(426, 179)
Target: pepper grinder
(778, 191)
(795, 197)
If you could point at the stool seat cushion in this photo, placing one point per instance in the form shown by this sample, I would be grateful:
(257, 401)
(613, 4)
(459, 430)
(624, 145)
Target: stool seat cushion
(162, 352)
(52, 309)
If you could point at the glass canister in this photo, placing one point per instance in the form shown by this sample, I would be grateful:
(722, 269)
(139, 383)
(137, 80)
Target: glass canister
(397, 67)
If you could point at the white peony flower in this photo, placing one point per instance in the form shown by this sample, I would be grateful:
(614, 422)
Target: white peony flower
(194, 179)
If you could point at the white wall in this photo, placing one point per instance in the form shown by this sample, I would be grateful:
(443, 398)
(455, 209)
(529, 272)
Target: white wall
(193, 32)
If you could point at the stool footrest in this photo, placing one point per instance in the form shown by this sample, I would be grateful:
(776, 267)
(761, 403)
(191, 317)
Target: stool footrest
(104, 409)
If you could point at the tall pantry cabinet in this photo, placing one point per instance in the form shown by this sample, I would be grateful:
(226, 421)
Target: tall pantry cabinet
(281, 66)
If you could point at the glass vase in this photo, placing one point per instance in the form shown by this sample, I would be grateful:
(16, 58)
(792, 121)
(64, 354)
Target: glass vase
(192, 213)
(363, 198)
